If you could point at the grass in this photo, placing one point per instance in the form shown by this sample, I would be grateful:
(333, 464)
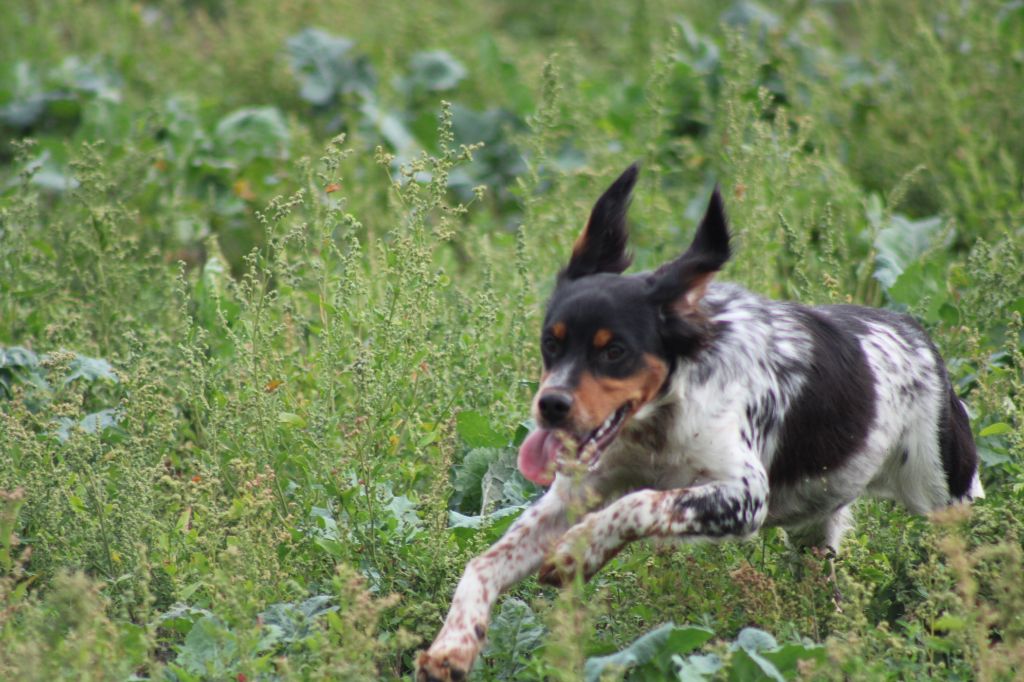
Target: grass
(269, 299)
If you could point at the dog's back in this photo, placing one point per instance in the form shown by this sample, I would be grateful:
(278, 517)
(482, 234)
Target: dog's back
(838, 400)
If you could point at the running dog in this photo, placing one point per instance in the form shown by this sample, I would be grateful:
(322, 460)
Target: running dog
(694, 409)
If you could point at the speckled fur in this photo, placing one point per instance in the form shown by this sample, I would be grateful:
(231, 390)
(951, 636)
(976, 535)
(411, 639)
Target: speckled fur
(783, 416)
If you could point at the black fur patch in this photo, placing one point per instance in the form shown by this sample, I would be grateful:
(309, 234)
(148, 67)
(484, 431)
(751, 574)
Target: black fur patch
(707, 253)
(959, 455)
(830, 418)
(716, 514)
(603, 301)
(602, 246)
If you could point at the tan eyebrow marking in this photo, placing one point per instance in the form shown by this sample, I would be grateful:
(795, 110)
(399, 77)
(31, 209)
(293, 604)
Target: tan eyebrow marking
(601, 338)
(558, 330)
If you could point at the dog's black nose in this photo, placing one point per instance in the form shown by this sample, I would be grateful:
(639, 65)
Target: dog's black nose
(554, 407)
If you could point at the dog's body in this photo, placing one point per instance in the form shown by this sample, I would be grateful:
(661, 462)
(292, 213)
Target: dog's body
(701, 410)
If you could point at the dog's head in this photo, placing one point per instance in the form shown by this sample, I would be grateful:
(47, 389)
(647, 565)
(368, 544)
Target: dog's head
(610, 341)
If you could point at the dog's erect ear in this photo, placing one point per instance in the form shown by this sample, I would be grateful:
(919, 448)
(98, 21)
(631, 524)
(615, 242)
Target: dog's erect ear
(601, 247)
(682, 283)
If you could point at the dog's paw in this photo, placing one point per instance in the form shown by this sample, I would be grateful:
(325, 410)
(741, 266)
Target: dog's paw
(442, 667)
(448, 664)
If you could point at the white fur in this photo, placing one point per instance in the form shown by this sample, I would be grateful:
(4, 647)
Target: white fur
(707, 454)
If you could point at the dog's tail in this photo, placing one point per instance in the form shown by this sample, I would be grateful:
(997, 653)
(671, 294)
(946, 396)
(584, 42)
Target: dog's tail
(959, 454)
(976, 492)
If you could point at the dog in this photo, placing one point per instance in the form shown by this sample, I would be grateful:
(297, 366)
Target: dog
(698, 410)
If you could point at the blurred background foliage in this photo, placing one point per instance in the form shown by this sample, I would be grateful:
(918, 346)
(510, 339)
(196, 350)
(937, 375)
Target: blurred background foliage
(270, 280)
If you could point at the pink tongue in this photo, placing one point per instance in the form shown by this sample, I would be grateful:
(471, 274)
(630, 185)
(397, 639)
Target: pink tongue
(537, 456)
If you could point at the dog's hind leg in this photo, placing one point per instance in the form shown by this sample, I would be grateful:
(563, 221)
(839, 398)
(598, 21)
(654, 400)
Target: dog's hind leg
(824, 533)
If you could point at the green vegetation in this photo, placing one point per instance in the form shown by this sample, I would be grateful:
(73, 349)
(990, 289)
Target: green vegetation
(270, 282)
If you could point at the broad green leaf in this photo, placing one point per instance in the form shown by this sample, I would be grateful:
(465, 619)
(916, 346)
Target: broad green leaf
(44, 172)
(90, 369)
(498, 163)
(701, 52)
(941, 644)
(181, 617)
(500, 521)
(291, 420)
(252, 133)
(992, 456)
(93, 423)
(786, 657)
(997, 429)
(514, 635)
(77, 504)
(391, 127)
(750, 13)
(332, 547)
(758, 656)
(492, 525)
(949, 622)
(288, 623)
(21, 114)
(476, 430)
(16, 356)
(97, 421)
(326, 66)
(324, 524)
(457, 520)
(403, 513)
(642, 650)
(435, 70)
(754, 639)
(696, 668)
(469, 475)
(209, 648)
(522, 431)
(922, 281)
(747, 665)
(502, 485)
(88, 77)
(316, 57)
(686, 638)
(902, 242)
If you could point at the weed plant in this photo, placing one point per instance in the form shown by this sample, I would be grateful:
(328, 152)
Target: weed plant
(270, 282)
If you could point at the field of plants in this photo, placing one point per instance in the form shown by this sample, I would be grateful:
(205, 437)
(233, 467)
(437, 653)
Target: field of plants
(271, 277)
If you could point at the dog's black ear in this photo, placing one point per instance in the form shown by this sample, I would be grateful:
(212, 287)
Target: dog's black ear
(601, 247)
(682, 283)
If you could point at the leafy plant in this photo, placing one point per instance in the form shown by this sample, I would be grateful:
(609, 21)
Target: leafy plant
(328, 67)
(301, 303)
(659, 655)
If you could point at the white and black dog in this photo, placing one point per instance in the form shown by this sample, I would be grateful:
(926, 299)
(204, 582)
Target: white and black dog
(700, 410)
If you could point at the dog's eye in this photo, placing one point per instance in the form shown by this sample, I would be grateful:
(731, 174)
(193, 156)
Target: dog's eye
(614, 353)
(550, 345)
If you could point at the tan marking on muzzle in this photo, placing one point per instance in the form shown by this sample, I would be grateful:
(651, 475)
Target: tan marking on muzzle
(597, 398)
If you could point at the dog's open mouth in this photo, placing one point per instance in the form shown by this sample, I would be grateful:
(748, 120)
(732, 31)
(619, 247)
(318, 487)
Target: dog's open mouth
(541, 452)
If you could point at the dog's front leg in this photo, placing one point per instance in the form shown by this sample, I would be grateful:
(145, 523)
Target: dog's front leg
(516, 555)
(714, 510)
